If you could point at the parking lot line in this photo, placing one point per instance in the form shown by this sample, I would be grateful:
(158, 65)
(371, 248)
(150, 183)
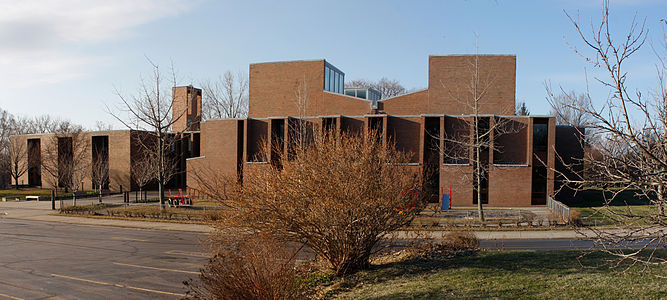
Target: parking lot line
(189, 253)
(155, 268)
(117, 285)
(10, 297)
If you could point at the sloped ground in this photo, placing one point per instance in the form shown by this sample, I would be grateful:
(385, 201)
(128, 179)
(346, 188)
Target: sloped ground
(560, 274)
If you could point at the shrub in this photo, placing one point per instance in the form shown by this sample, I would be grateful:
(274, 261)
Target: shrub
(575, 218)
(461, 240)
(248, 267)
(340, 193)
(85, 209)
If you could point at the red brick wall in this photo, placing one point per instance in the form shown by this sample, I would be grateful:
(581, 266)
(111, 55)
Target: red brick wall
(509, 186)
(187, 106)
(408, 104)
(219, 150)
(405, 133)
(277, 89)
(459, 178)
(450, 77)
(337, 104)
(119, 157)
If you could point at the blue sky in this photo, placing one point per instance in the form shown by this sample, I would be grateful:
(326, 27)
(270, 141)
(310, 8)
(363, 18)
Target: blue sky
(66, 58)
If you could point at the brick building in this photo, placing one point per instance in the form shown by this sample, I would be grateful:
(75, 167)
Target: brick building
(119, 150)
(520, 161)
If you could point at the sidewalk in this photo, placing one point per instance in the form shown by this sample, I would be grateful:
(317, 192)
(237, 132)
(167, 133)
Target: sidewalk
(41, 211)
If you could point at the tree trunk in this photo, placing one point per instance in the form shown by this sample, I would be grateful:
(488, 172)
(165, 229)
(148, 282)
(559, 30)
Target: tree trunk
(478, 173)
(161, 166)
(661, 200)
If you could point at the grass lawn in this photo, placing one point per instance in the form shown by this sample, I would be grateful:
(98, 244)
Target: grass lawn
(507, 275)
(596, 198)
(22, 192)
(614, 215)
(596, 209)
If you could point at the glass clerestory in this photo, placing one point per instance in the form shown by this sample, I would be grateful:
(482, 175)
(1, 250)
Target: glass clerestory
(334, 79)
(364, 93)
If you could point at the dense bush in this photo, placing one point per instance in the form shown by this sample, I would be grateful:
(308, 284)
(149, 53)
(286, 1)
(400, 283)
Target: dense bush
(339, 193)
(248, 267)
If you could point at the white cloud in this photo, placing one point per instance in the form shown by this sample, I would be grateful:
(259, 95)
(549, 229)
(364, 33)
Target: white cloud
(35, 35)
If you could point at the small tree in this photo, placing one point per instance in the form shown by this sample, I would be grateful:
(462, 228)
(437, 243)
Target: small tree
(472, 141)
(339, 194)
(143, 171)
(151, 110)
(522, 109)
(18, 157)
(7, 128)
(100, 171)
(66, 161)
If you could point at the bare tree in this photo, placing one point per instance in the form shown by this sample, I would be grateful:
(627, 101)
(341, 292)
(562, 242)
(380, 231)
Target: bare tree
(387, 87)
(45, 124)
(101, 126)
(631, 131)
(472, 140)
(100, 171)
(7, 127)
(226, 97)
(151, 110)
(66, 161)
(18, 160)
(565, 107)
(143, 170)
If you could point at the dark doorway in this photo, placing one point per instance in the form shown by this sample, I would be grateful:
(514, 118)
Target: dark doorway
(65, 157)
(34, 162)
(482, 176)
(375, 126)
(431, 158)
(540, 161)
(277, 140)
(100, 167)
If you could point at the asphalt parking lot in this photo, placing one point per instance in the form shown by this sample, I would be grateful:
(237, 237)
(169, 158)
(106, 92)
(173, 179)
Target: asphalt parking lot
(44, 260)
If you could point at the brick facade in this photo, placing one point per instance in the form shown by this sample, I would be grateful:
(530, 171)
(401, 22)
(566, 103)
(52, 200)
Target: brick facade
(417, 123)
(520, 160)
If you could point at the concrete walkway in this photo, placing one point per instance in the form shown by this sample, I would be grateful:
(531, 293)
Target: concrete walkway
(41, 211)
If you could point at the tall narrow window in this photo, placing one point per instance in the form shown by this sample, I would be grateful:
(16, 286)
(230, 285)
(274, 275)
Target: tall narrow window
(326, 78)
